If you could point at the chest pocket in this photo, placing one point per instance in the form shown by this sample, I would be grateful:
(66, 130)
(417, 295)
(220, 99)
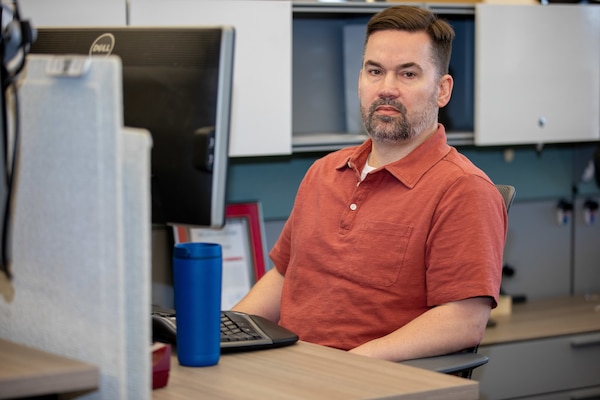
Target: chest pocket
(378, 253)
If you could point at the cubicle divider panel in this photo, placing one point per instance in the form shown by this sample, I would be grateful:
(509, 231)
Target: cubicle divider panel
(80, 231)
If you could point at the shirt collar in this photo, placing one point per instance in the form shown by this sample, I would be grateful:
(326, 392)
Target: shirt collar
(411, 168)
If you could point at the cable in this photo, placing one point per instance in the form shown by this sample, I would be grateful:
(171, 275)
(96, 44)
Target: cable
(4, 75)
(10, 181)
(17, 37)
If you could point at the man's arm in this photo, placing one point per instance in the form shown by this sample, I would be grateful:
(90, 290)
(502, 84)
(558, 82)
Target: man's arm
(444, 329)
(264, 298)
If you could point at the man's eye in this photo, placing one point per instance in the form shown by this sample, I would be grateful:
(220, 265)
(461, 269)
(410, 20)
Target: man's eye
(409, 74)
(375, 72)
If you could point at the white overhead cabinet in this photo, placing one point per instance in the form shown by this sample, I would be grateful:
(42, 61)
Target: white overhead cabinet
(262, 98)
(537, 74)
(74, 12)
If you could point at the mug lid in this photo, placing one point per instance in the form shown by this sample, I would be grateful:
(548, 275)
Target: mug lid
(197, 250)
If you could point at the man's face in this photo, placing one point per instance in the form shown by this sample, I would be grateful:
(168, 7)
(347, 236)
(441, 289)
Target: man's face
(399, 89)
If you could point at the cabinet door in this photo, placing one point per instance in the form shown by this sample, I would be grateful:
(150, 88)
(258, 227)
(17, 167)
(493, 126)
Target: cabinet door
(261, 109)
(74, 12)
(530, 368)
(581, 394)
(537, 74)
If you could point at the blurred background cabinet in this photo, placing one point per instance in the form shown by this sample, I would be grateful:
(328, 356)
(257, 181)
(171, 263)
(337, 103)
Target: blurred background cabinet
(74, 12)
(546, 349)
(565, 367)
(537, 74)
(261, 109)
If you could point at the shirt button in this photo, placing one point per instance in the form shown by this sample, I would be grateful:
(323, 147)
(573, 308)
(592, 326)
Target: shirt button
(353, 207)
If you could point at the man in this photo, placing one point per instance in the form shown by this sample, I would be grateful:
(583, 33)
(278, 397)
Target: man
(393, 248)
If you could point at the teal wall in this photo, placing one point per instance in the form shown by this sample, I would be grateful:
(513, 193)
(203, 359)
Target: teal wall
(552, 172)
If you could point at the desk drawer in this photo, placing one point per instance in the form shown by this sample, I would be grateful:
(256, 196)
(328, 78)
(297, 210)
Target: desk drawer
(540, 366)
(578, 394)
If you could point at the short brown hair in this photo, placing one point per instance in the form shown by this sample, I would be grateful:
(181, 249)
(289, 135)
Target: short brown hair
(415, 19)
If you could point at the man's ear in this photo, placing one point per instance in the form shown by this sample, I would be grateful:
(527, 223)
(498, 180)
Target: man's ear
(445, 90)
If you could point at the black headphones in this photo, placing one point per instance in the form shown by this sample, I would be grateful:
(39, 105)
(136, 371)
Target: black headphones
(17, 35)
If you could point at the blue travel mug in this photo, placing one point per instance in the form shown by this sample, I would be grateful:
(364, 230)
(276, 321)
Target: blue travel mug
(197, 279)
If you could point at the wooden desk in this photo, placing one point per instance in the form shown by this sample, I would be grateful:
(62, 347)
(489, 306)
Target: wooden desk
(308, 371)
(25, 371)
(546, 318)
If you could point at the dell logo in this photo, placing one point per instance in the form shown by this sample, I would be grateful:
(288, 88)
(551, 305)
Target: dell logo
(103, 46)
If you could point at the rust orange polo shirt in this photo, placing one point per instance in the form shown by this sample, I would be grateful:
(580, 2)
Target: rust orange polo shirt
(362, 260)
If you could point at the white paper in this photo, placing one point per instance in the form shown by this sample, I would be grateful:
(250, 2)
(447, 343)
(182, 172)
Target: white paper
(238, 263)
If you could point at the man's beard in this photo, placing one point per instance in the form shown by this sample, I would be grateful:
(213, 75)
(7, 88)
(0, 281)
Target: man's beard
(388, 129)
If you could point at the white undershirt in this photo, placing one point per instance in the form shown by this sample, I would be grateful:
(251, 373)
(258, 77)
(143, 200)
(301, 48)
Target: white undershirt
(366, 169)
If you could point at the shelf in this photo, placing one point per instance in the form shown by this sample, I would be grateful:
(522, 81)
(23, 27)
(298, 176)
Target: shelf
(316, 142)
(327, 31)
(309, 142)
(365, 7)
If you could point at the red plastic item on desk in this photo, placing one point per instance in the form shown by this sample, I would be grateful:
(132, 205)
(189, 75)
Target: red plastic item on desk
(161, 364)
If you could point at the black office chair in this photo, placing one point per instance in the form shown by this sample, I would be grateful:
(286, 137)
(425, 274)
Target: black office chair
(508, 193)
(464, 362)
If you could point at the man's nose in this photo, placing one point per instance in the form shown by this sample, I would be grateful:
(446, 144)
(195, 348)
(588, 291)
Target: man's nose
(389, 87)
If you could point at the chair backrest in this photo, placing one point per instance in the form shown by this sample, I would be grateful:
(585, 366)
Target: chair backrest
(508, 193)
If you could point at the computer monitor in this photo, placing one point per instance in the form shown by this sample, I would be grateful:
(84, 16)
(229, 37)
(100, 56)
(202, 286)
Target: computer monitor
(177, 83)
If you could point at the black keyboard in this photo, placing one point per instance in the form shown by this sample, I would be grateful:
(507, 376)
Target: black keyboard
(239, 331)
